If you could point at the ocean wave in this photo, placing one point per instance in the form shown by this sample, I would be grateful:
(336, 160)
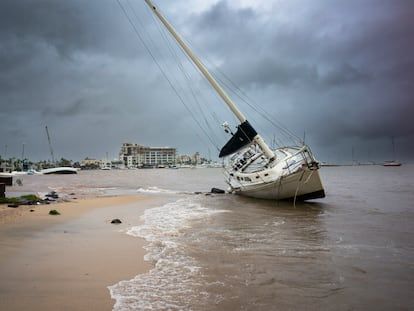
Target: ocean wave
(156, 190)
(176, 279)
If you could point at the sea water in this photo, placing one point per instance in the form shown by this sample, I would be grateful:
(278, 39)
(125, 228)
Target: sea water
(353, 250)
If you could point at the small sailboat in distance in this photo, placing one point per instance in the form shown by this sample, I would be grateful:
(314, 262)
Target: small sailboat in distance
(393, 162)
(254, 169)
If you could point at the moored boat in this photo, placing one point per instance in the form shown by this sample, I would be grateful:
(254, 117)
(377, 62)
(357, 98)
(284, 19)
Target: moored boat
(391, 163)
(59, 170)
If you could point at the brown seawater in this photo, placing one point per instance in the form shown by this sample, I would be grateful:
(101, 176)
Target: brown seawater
(353, 250)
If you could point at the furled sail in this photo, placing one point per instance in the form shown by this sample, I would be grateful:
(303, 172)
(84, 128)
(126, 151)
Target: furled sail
(243, 137)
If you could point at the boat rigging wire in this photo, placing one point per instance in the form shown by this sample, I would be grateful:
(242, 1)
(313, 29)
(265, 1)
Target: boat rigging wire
(213, 140)
(209, 108)
(181, 99)
(237, 91)
(186, 75)
(251, 103)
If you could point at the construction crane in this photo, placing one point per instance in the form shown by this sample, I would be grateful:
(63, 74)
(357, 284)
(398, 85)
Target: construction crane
(50, 145)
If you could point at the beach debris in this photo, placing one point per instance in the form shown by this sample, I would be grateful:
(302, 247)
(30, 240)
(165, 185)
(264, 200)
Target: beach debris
(13, 205)
(52, 195)
(198, 192)
(8, 180)
(73, 193)
(54, 212)
(19, 182)
(32, 210)
(28, 199)
(116, 221)
(217, 190)
(2, 190)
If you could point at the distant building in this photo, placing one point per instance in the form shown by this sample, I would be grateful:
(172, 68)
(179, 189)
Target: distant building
(90, 164)
(117, 164)
(6, 166)
(134, 155)
(194, 159)
(184, 159)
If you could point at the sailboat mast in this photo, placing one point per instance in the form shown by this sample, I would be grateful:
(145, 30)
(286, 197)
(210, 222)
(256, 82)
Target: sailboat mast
(258, 139)
(50, 145)
(393, 148)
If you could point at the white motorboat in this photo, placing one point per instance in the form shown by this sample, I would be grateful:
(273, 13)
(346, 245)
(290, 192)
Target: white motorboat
(106, 166)
(254, 169)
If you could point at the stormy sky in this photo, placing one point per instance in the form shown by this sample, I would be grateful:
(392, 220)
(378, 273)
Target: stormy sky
(342, 72)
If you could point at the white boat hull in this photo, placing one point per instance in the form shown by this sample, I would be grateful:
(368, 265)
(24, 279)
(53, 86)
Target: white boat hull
(392, 163)
(302, 185)
(295, 175)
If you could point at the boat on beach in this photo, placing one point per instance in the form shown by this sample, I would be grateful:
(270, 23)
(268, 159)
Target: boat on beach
(254, 169)
(59, 170)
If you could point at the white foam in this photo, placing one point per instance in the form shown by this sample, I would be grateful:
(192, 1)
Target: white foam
(156, 190)
(176, 277)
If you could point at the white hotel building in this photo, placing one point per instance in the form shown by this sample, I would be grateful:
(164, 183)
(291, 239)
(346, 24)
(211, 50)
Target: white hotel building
(134, 155)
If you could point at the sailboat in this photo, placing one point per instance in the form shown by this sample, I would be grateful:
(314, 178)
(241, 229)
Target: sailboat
(393, 162)
(63, 170)
(254, 169)
(106, 165)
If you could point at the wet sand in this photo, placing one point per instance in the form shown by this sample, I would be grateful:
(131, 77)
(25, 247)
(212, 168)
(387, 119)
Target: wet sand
(66, 262)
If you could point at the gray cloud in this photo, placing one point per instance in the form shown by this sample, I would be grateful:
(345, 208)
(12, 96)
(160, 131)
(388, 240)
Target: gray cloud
(341, 71)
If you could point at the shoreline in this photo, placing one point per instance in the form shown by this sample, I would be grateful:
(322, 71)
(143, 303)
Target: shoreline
(66, 262)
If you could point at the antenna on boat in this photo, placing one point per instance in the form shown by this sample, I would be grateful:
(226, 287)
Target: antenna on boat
(227, 128)
(247, 131)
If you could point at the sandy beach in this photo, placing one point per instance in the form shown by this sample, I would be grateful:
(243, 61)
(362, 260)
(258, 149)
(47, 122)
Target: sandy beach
(66, 262)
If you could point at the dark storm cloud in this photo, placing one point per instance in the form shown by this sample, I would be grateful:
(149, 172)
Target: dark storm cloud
(67, 26)
(344, 74)
(340, 70)
(347, 61)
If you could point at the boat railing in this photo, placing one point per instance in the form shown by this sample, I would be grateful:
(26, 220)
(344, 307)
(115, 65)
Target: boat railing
(306, 159)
